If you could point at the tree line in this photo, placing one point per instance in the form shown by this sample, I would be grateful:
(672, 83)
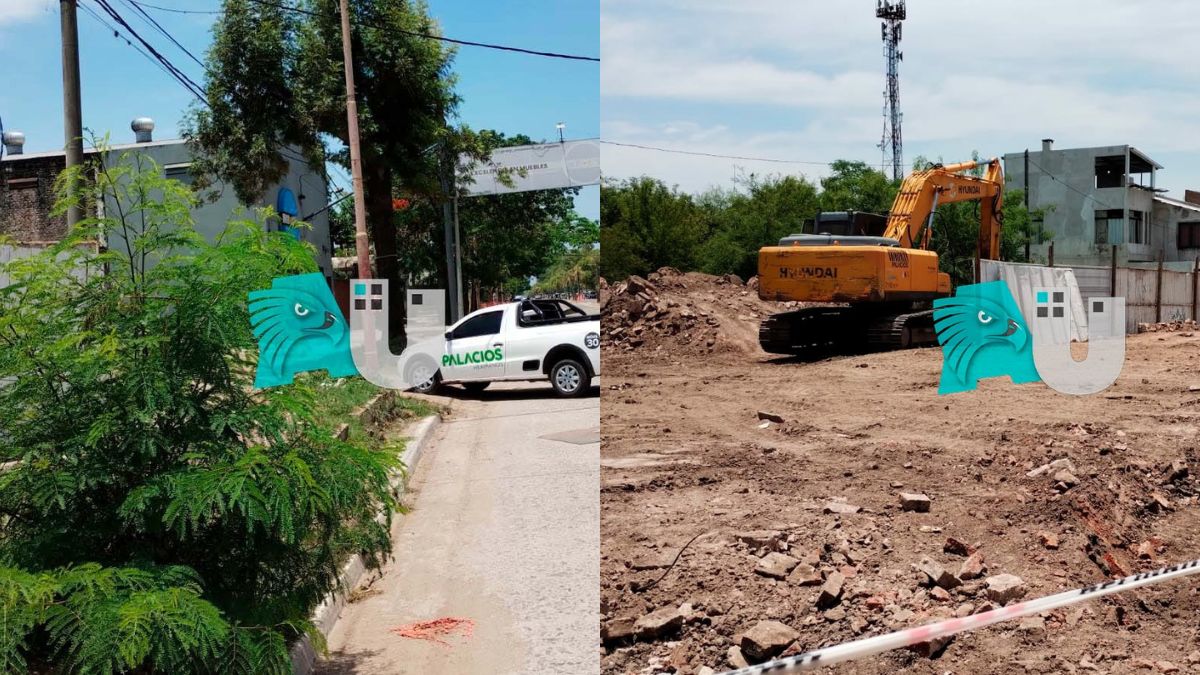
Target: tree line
(647, 224)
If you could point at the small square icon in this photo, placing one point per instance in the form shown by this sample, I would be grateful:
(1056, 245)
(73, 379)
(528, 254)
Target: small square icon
(360, 303)
(360, 289)
(418, 299)
(1058, 296)
(1043, 296)
(376, 303)
(1097, 306)
(1058, 312)
(1043, 312)
(376, 289)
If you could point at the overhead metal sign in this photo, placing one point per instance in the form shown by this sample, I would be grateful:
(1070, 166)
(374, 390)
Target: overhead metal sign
(546, 166)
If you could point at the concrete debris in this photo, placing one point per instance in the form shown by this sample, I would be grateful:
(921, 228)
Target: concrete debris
(831, 592)
(659, 622)
(956, 547)
(736, 658)
(776, 565)
(1056, 465)
(1177, 471)
(842, 508)
(940, 594)
(805, 575)
(937, 575)
(910, 501)
(617, 631)
(1049, 540)
(1004, 588)
(760, 538)
(770, 417)
(766, 639)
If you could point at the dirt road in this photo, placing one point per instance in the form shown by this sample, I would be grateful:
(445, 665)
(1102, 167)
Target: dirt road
(504, 531)
(685, 455)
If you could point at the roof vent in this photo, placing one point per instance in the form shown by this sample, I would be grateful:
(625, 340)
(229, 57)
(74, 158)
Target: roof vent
(14, 142)
(144, 128)
(1047, 144)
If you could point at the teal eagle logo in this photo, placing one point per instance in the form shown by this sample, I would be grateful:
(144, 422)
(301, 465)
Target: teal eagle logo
(982, 334)
(299, 328)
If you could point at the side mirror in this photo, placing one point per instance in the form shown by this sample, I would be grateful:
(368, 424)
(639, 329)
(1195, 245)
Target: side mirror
(449, 335)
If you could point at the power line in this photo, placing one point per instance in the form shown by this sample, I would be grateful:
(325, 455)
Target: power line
(427, 36)
(117, 34)
(187, 82)
(134, 6)
(718, 156)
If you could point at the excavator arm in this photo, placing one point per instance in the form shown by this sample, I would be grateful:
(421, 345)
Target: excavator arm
(911, 219)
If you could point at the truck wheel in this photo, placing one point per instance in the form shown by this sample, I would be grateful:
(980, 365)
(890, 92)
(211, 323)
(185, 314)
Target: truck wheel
(425, 374)
(569, 378)
(475, 387)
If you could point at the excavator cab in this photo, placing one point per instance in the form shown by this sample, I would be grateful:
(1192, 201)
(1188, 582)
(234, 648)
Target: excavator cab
(886, 280)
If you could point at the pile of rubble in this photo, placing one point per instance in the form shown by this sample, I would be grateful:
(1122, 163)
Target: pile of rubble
(690, 313)
(1167, 326)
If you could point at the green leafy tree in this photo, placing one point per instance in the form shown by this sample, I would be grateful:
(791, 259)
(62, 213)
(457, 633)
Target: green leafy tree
(855, 186)
(157, 514)
(275, 79)
(645, 225)
(760, 214)
(577, 266)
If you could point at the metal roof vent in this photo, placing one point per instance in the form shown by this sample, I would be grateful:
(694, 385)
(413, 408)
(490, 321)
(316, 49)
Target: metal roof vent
(144, 128)
(14, 142)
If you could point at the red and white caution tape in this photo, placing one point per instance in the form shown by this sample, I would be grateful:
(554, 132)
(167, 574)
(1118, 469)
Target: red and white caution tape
(848, 651)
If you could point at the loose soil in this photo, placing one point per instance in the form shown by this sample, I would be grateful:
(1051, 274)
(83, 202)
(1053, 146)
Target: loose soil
(684, 455)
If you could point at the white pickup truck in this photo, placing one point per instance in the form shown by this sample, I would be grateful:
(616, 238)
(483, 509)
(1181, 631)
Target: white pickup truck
(534, 339)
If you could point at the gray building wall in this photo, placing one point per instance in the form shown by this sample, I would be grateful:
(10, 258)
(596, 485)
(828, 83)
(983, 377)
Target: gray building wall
(213, 215)
(26, 197)
(1064, 183)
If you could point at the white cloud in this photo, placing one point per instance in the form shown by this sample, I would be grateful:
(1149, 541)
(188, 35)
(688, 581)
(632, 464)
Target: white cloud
(15, 11)
(994, 78)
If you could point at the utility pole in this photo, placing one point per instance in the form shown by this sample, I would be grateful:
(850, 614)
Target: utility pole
(1029, 225)
(361, 241)
(450, 226)
(72, 106)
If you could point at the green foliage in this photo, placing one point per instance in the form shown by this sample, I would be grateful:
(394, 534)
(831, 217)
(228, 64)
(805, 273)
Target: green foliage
(577, 266)
(157, 514)
(645, 225)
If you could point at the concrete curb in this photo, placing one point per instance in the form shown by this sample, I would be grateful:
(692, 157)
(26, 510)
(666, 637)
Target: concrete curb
(325, 616)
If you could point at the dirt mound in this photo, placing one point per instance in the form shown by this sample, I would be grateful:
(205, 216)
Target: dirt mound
(689, 313)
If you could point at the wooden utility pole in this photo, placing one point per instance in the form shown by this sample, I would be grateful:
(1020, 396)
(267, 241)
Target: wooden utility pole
(72, 106)
(361, 241)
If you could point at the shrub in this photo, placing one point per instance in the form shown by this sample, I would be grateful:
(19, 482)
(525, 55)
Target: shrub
(156, 513)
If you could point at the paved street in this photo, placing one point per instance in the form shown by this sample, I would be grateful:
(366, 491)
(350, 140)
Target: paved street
(505, 531)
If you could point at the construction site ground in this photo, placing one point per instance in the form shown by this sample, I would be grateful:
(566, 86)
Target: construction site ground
(688, 465)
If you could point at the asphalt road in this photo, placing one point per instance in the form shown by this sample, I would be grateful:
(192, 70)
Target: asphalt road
(504, 531)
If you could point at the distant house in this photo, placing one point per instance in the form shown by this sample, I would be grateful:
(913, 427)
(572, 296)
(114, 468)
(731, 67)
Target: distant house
(27, 194)
(1101, 198)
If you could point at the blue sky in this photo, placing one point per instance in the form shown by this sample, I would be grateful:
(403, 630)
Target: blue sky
(803, 80)
(509, 92)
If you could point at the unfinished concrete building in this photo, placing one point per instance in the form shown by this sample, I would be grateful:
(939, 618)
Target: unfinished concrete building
(1098, 198)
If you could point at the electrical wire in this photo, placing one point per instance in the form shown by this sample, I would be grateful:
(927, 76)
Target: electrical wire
(427, 36)
(134, 6)
(117, 34)
(718, 156)
(187, 82)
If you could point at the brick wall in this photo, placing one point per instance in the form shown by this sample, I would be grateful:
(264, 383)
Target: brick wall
(27, 197)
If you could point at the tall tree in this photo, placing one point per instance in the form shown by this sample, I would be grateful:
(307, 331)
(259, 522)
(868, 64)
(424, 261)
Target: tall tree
(275, 78)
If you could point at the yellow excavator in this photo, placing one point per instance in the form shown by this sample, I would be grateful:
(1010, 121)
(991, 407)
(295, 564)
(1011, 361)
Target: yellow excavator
(885, 281)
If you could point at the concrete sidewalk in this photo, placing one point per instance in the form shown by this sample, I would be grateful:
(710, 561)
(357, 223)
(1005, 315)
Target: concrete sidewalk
(505, 531)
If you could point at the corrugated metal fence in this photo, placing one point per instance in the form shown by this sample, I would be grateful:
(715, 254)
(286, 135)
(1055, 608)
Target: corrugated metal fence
(1152, 292)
